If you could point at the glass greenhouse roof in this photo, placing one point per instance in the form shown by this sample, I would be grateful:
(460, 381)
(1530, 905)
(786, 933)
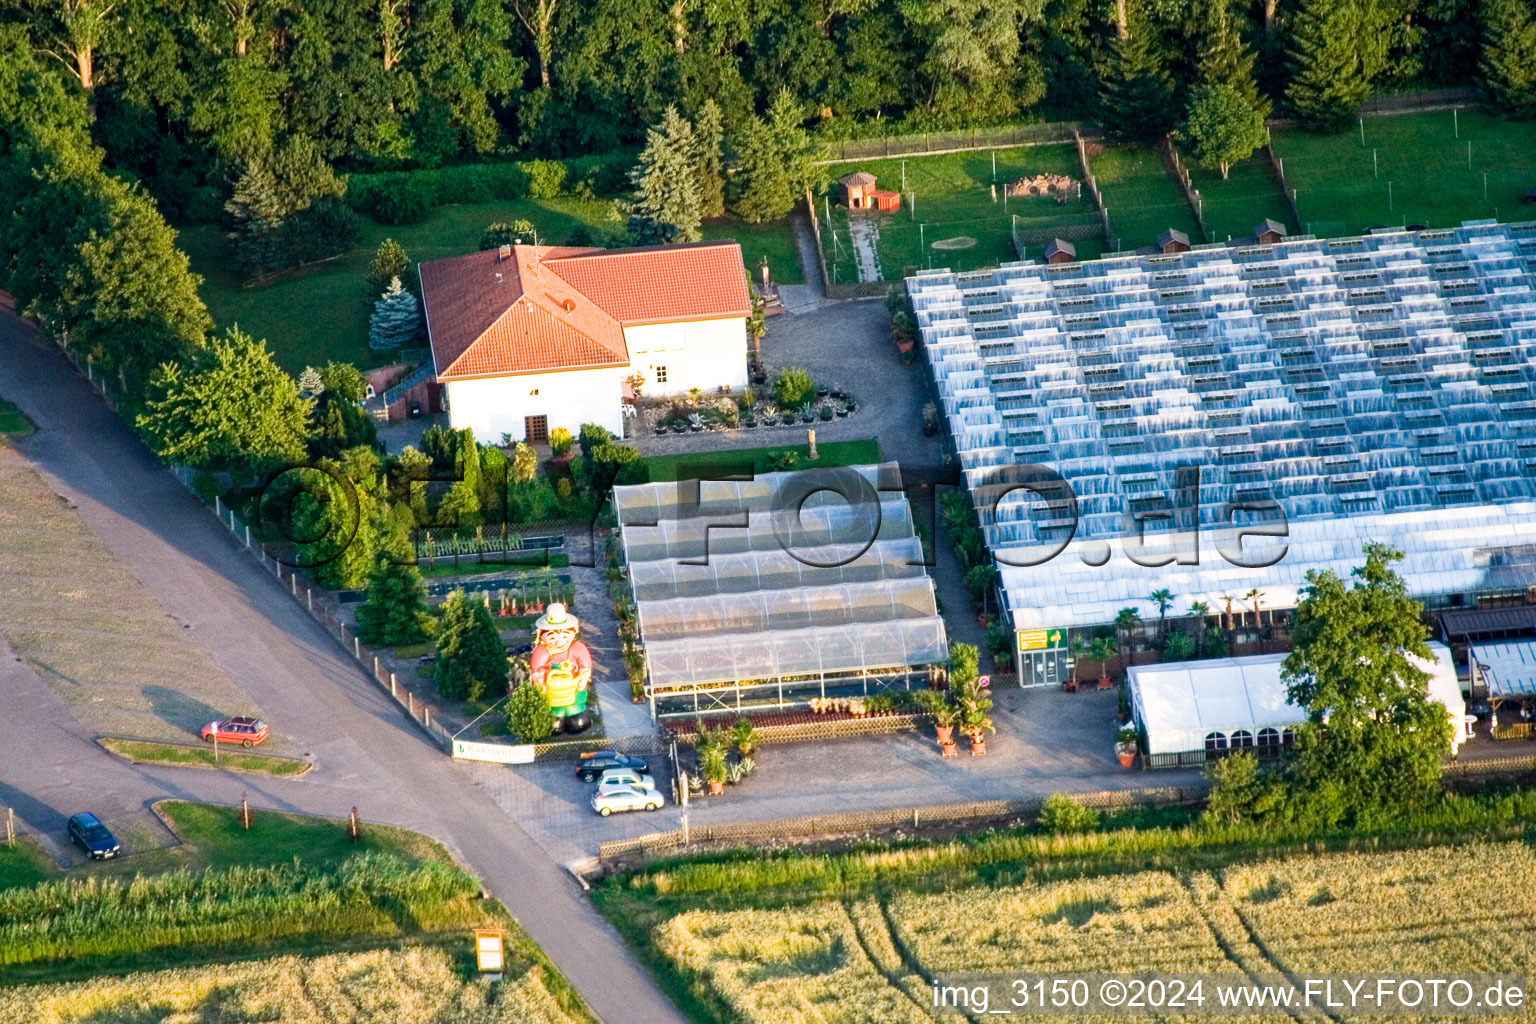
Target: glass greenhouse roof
(743, 580)
(1379, 388)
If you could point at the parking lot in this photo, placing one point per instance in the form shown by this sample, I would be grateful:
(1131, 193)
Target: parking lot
(1047, 741)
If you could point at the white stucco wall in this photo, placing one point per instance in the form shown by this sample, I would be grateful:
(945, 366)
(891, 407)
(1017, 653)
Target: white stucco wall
(496, 405)
(703, 354)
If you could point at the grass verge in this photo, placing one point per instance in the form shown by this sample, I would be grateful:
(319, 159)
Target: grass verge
(666, 468)
(24, 863)
(227, 757)
(13, 421)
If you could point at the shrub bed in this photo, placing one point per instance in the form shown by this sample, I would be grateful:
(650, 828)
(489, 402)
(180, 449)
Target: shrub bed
(404, 197)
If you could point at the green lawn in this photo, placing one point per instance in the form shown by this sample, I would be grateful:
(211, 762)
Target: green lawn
(24, 864)
(950, 196)
(320, 313)
(1248, 195)
(773, 239)
(1423, 161)
(227, 757)
(13, 420)
(1142, 198)
(832, 453)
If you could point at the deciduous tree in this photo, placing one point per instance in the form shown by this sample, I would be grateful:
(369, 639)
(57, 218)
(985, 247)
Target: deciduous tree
(232, 407)
(1371, 747)
(1223, 128)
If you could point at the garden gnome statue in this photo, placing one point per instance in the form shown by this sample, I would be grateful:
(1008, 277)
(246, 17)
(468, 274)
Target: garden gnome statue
(561, 666)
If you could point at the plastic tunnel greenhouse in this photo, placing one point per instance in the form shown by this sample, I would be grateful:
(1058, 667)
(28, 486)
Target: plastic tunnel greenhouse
(765, 593)
(1332, 391)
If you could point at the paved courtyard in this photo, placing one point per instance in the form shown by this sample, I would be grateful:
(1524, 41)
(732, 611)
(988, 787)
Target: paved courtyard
(1047, 741)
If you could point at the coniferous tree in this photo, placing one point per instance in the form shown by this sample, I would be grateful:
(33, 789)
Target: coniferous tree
(396, 320)
(1136, 101)
(765, 191)
(774, 162)
(396, 611)
(667, 205)
(311, 383)
(709, 140)
(389, 262)
(1508, 63)
(334, 523)
(471, 660)
(1224, 58)
(1328, 77)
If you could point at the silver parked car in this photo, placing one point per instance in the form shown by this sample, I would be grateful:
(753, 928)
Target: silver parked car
(625, 797)
(626, 777)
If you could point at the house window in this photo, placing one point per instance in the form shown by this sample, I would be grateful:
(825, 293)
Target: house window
(536, 428)
(661, 375)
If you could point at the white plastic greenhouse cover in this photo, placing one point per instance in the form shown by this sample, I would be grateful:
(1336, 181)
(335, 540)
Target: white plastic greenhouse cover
(826, 649)
(739, 589)
(1179, 704)
(1376, 388)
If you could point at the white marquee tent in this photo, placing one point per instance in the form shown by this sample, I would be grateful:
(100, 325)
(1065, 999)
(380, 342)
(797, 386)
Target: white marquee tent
(1216, 705)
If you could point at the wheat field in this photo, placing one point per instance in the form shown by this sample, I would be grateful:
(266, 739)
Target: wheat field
(102, 642)
(1449, 909)
(414, 985)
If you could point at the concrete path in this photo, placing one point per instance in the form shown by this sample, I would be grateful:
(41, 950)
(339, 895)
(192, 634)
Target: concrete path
(864, 235)
(808, 297)
(366, 754)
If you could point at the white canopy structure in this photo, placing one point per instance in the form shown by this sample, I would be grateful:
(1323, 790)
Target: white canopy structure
(1193, 710)
(1506, 669)
(1375, 388)
(767, 592)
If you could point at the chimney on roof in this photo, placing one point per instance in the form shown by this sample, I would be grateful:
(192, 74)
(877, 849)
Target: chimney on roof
(504, 253)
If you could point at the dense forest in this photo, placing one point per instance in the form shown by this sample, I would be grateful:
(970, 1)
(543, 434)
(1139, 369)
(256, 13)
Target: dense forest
(184, 90)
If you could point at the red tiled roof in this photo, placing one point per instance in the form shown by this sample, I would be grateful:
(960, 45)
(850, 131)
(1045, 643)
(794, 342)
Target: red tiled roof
(565, 308)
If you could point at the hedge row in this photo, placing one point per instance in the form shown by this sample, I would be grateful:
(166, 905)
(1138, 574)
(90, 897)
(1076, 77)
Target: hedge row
(404, 197)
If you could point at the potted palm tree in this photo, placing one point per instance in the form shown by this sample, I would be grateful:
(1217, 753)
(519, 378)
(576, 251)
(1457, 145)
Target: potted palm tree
(1125, 746)
(976, 725)
(944, 715)
(974, 706)
(744, 737)
(713, 768)
(1102, 650)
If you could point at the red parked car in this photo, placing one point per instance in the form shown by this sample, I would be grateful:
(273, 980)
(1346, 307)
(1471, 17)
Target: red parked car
(245, 731)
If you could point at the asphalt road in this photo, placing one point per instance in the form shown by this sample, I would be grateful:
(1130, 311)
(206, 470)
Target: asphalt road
(365, 753)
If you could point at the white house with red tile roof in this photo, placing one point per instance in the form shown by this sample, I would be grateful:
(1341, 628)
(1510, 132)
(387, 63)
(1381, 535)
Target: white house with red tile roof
(529, 338)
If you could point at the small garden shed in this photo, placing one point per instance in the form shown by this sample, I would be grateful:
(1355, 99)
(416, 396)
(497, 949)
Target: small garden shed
(858, 190)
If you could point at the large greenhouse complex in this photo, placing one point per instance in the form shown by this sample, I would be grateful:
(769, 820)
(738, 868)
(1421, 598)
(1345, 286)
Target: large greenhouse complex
(765, 593)
(1337, 391)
